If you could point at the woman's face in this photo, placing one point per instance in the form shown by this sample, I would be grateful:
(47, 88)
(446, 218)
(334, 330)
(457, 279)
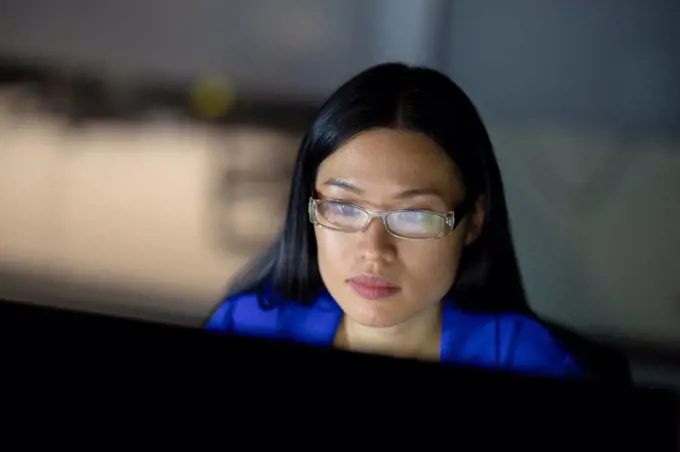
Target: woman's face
(374, 170)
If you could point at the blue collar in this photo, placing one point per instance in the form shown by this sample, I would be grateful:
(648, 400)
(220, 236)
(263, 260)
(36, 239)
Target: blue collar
(500, 341)
(318, 324)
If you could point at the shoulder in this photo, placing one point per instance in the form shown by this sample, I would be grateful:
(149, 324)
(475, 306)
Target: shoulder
(245, 315)
(532, 346)
(244, 312)
(512, 342)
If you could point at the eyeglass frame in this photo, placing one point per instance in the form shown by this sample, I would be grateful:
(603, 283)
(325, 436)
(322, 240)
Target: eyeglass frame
(449, 217)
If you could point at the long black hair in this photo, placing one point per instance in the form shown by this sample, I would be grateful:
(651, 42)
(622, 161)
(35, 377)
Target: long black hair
(395, 95)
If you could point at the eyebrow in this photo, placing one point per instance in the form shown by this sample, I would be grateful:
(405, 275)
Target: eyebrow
(410, 193)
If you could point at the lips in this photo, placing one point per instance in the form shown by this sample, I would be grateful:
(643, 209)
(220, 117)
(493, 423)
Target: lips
(372, 287)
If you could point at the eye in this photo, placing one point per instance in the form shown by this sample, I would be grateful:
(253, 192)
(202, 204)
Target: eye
(412, 217)
(344, 210)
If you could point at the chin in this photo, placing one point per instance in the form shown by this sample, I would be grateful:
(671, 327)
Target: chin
(374, 322)
(376, 314)
(383, 313)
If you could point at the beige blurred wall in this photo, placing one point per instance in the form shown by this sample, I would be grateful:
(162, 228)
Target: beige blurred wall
(123, 219)
(124, 215)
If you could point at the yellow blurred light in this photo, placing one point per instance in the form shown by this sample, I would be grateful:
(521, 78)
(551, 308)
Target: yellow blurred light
(212, 97)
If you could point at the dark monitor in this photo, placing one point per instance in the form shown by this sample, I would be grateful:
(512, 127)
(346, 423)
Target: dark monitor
(240, 368)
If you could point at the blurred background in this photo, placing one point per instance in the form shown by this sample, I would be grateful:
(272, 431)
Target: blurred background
(147, 145)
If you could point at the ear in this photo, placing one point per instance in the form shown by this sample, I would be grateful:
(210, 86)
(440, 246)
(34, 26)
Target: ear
(475, 220)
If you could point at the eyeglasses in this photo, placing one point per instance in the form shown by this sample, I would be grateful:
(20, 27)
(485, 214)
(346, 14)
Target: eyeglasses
(405, 224)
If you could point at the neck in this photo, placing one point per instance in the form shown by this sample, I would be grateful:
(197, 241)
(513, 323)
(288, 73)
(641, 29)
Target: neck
(419, 337)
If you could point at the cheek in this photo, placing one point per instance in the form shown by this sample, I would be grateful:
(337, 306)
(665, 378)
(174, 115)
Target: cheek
(432, 262)
(431, 268)
(333, 249)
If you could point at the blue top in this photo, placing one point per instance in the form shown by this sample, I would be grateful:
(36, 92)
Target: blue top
(508, 342)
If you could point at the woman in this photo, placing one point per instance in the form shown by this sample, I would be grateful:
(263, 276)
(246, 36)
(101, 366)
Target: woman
(396, 239)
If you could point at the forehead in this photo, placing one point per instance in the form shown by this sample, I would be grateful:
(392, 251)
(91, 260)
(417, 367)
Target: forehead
(384, 160)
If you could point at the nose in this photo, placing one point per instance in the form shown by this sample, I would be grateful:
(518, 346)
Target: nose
(376, 243)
